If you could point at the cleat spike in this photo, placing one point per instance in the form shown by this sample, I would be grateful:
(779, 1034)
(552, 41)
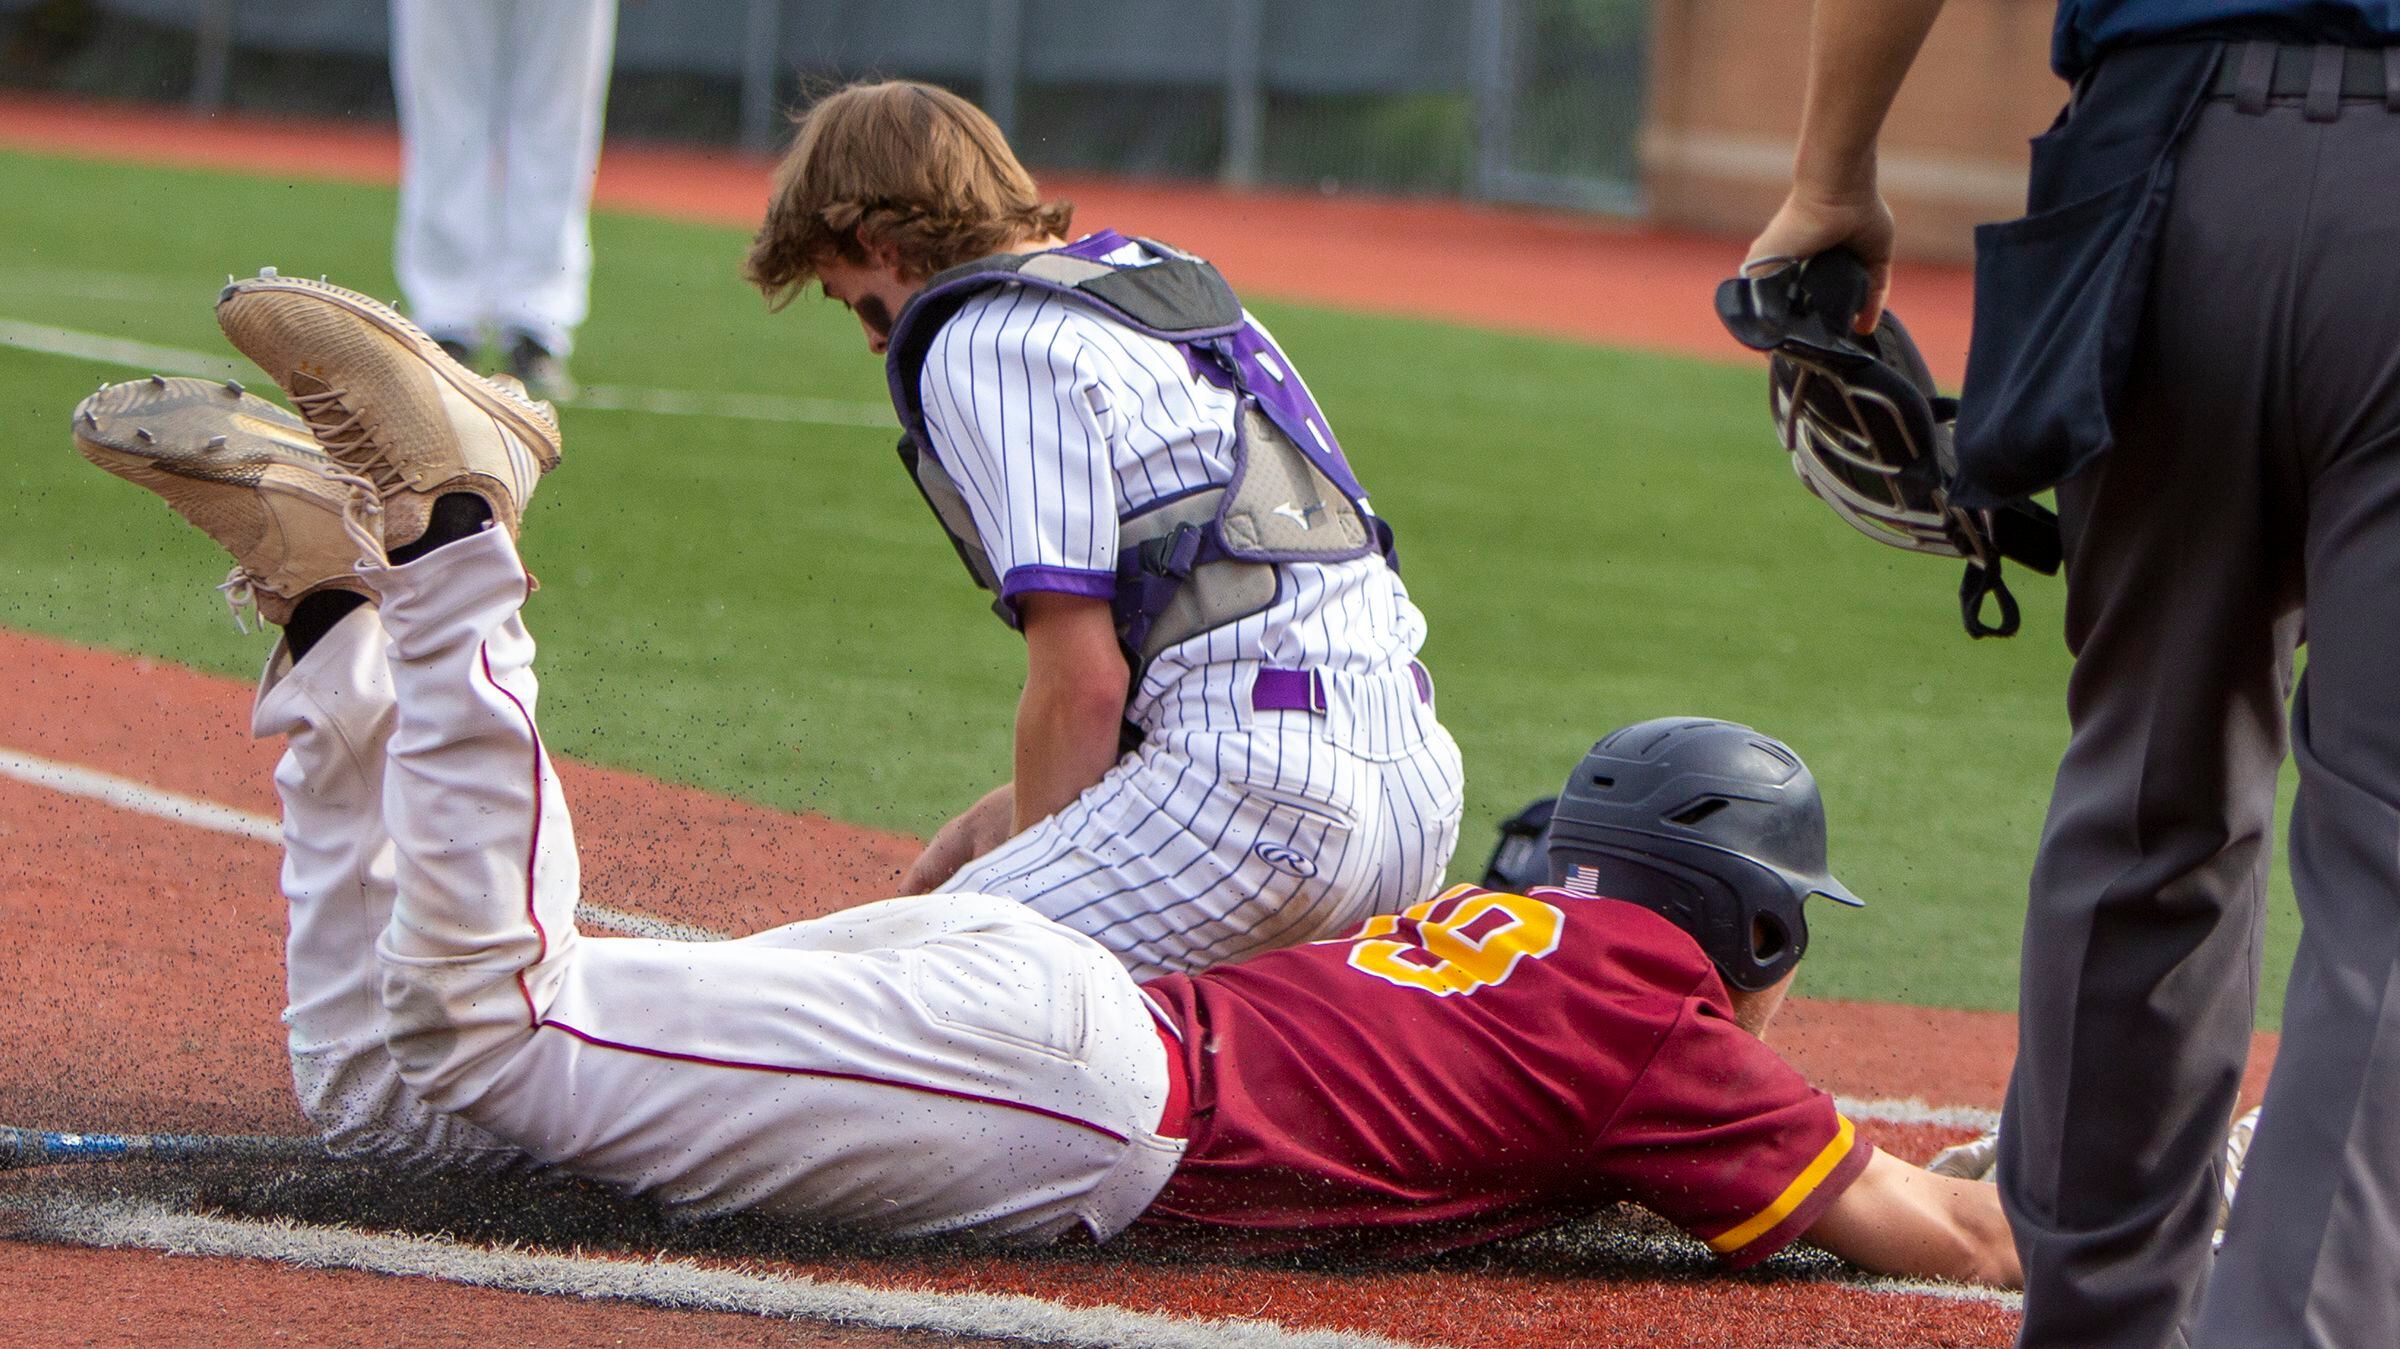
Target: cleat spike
(90, 420)
(158, 381)
(144, 433)
(216, 442)
(233, 386)
(266, 273)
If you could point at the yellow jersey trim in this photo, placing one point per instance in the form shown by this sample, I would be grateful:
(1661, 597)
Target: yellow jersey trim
(1794, 1194)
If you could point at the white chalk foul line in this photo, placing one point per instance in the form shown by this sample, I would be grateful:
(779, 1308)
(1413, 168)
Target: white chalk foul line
(672, 1284)
(142, 798)
(757, 407)
(760, 407)
(1912, 1111)
(119, 351)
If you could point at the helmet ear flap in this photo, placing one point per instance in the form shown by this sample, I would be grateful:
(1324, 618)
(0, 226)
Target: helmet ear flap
(1771, 939)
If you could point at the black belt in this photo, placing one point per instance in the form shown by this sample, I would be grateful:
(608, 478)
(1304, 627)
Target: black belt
(2254, 73)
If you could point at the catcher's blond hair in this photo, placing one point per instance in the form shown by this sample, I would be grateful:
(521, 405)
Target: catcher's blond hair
(899, 163)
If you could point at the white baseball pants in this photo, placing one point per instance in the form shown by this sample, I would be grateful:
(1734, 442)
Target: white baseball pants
(1205, 846)
(500, 109)
(940, 1064)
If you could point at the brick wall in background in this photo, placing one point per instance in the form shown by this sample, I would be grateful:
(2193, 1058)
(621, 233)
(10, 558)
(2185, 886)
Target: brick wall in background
(1725, 91)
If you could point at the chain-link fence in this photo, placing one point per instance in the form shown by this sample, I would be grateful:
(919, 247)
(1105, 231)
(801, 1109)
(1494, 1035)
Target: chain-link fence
(1516, 100)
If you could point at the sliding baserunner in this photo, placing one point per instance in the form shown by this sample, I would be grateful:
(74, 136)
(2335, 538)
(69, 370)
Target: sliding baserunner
(1226, 742)
(1481, 1064)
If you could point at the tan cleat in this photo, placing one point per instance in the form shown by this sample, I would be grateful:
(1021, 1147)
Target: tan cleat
(242, 469)
(388, 403)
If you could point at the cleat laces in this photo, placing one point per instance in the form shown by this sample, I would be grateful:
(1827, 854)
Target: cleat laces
(362, 513)
(240, 589)
(346, 439)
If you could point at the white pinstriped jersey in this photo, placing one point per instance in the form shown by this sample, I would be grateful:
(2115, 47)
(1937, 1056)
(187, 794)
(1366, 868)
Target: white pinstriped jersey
(1229, 830)
(1056, 423)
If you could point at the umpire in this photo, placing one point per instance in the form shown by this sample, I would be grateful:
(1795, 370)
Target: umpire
(2194, 335)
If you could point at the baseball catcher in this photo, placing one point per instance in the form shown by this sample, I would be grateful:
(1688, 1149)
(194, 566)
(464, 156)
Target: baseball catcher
(1867, 431)
(1479, 1064)
(1226, 741)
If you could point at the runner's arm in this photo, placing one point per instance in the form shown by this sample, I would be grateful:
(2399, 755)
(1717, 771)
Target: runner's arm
(1902, 1220)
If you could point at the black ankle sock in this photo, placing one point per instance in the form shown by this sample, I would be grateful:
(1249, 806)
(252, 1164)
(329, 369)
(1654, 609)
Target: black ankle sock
(315, 616)
(456, 515)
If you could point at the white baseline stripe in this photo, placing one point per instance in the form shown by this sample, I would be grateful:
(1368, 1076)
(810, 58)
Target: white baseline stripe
(674, 1284)
(1913, 1111)
(760, 407)
(127, 794)
(757, 407)
(1953, 1292)
(119, 351)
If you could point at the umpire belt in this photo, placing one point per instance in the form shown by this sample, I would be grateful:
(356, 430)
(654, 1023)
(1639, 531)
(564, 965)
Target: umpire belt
(2321, 78)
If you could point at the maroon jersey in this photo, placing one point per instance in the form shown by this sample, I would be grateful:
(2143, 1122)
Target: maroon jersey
(1484, 1064)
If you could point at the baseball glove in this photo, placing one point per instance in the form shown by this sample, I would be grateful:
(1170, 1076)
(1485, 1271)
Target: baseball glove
(1521, 859)
(1869, 434)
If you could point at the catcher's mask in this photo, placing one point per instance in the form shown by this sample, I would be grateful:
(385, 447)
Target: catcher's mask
(1867, 431)
(1710, 823)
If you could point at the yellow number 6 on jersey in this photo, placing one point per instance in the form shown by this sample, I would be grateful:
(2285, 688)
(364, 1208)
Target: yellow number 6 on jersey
(1459, 962)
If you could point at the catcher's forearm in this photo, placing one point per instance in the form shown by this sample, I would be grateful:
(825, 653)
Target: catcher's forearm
(1858, 52)
(1073, 709)
(1066, 741)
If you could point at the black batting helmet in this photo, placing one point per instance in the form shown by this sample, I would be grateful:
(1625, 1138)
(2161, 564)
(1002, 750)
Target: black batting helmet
(1710, 823)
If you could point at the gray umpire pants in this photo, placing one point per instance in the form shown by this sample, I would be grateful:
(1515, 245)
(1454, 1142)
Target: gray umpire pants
(2257, 475)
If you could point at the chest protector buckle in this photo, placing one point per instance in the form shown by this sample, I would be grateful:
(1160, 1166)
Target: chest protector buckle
(1191, 563)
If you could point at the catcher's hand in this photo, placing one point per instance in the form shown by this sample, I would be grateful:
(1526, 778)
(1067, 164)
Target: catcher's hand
(977, 830)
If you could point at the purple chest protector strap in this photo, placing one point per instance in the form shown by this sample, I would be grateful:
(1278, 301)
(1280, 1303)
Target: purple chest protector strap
(1196, 562)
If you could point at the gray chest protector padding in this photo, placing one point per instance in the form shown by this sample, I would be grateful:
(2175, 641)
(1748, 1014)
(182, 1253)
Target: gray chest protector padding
(1193, 563)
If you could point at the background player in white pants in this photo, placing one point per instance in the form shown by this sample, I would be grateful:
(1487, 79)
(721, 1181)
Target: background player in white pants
(500, 110)
(1266, 780)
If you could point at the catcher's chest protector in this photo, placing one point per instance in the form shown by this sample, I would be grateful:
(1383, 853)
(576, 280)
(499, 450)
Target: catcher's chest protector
(1198, 561)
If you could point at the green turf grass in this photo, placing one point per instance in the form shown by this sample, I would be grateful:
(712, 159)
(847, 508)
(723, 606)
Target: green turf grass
(765, 610)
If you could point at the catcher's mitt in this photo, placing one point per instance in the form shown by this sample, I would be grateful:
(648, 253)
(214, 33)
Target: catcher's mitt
(1867, 432)
(1521, 859)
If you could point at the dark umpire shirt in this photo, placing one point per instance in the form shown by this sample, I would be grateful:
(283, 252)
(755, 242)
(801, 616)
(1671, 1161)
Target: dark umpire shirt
(2087, 28)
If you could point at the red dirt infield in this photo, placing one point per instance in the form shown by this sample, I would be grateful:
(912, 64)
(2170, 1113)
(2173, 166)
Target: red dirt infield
(144, 970)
